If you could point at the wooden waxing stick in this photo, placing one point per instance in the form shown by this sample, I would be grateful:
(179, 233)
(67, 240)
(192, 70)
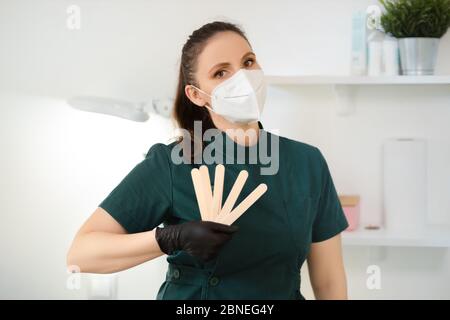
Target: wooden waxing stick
(244, 205)
(218, 190)
(199, 193)
(206, 183)
(234, 193)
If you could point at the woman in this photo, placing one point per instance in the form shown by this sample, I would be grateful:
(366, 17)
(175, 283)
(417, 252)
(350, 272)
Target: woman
(260, 255)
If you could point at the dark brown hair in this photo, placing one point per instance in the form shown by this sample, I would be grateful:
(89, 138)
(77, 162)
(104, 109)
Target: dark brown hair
(185, 112)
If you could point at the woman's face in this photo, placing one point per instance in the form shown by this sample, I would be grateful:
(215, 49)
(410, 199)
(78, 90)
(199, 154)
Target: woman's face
(224, 54)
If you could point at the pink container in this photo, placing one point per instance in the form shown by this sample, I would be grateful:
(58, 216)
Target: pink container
(350, 205)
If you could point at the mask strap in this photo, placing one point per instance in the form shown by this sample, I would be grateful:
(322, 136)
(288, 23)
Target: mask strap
(206, 106)
(200, 90)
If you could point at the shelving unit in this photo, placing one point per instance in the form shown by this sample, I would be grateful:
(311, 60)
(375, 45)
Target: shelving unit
(432, 236)
(343, 87)
(357, 80)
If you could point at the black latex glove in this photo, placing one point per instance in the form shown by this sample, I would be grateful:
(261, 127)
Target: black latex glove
(201, 239)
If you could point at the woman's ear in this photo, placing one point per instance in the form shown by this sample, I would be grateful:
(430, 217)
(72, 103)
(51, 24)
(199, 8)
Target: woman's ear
(193, 95)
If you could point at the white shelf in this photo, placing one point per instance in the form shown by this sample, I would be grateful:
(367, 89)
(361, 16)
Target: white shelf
(343, 87)
(432, 236)
(357, 80)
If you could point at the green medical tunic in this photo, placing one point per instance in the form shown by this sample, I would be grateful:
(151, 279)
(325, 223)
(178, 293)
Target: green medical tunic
(264, 257)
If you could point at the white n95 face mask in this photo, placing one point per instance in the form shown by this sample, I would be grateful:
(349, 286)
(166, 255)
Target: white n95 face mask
(241, 97)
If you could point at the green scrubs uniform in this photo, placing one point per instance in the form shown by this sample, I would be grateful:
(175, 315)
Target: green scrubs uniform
(264, 257)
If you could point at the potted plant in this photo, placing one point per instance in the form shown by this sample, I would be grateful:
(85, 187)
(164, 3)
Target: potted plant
(418, 25)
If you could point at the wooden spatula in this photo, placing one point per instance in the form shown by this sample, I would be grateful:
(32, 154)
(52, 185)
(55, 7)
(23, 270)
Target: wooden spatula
(234, 193)
(200, 193)
(207, 192)
(218, 190)
(244, 205)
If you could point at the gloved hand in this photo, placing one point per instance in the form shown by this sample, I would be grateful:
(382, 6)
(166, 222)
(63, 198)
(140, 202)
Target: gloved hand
(201, 239)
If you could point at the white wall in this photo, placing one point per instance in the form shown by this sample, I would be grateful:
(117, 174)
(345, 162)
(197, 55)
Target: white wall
(57, 163)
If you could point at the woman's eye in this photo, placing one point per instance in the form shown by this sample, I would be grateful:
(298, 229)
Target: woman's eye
(246, 62)
(221, 73)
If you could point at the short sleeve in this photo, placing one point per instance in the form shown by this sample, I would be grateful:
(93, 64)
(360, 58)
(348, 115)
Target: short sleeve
(143, 199)
(330, 218)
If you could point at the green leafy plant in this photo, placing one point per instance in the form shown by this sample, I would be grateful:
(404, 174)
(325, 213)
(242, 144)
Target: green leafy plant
(416, 18)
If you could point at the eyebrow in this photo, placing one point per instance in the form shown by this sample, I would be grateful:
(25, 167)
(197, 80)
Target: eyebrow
(225, 64)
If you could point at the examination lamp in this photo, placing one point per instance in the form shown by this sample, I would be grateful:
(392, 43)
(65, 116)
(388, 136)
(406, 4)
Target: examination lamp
(123, 109)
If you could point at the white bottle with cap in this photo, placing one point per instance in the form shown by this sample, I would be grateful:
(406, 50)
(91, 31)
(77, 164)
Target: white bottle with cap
(375, 40)
(375, 53)
(391, 60)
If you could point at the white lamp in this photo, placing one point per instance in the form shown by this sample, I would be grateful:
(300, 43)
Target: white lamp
(121, 108)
